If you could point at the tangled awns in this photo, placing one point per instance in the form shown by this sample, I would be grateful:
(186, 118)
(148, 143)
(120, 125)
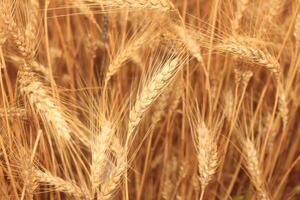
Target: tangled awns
(149, 99)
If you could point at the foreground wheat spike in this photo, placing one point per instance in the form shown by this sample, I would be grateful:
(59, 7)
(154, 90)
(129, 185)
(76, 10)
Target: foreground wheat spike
(45, 105)
(253, 167)
(251, 54)
(59, 184)
(207, 155)
(99, 158)
(111, 183)
(151, 90)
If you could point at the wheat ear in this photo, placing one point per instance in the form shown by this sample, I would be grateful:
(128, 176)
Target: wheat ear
(59, 184)
(25, 40)
(99, 158)
(253, 167)
(110, 184)
(140, 40)
(150, 91)
(191, 44)
(207, 155)
(251, 54)
(162, 5)
(42, 102)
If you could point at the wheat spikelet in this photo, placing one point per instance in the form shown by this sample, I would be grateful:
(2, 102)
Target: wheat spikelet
(59, 184)
(254, 167)
(207, 154)
(44, 104)
(152, 89)
(99, 147)
(241, 6)
(251, 54)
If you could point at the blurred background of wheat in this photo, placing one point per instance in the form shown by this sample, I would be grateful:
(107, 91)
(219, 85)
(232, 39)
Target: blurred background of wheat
(149, 99)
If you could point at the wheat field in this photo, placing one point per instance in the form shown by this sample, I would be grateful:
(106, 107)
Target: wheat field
(149, 99)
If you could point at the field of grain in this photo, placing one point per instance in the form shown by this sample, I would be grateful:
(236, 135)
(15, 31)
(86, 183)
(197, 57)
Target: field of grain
(149, 99)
